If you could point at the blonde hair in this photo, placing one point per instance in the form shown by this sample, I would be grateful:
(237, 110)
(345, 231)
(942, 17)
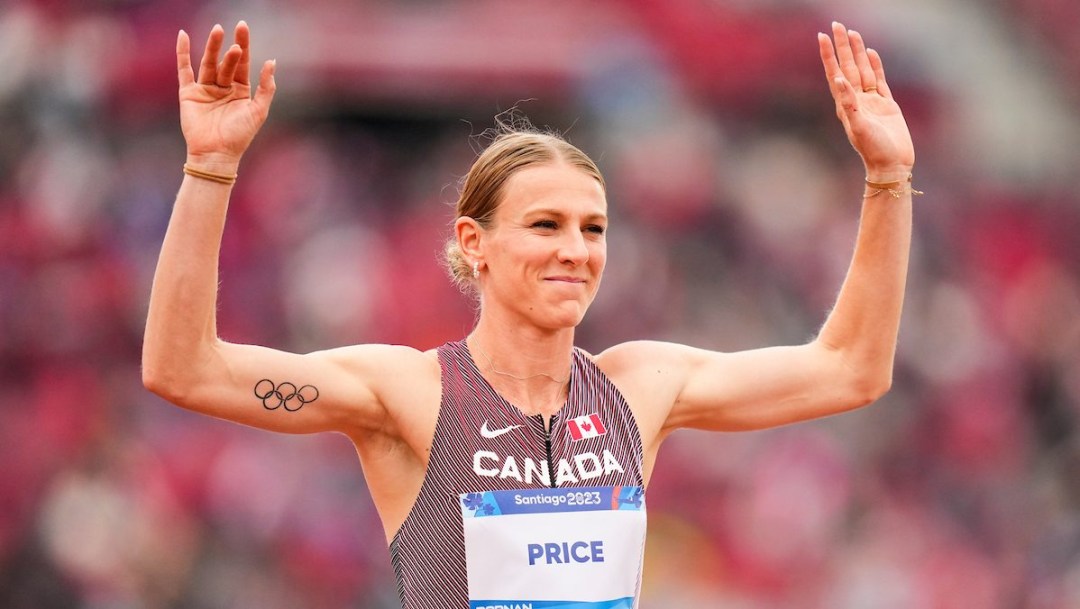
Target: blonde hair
(513, 149)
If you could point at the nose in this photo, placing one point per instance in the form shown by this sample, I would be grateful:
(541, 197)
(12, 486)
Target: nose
(573, 249)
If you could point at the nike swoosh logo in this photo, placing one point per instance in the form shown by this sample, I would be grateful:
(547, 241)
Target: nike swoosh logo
(495, 433)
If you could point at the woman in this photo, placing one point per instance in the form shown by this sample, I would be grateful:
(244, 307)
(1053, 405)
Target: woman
(509, 468)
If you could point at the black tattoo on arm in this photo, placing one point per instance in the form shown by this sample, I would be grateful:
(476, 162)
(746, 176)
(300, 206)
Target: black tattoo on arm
(285, 394)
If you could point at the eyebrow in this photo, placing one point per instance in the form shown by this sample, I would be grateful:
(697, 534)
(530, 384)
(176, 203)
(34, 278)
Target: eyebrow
(555, 212)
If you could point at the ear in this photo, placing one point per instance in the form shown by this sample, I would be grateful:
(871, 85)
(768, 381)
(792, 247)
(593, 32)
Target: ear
(469, 236)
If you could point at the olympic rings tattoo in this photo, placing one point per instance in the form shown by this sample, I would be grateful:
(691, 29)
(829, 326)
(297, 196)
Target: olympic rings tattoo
(285, 394)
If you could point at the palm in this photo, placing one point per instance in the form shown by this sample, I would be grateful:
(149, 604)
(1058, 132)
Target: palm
(880, 133)
(218, 116)
(871, 117)
(217, 120)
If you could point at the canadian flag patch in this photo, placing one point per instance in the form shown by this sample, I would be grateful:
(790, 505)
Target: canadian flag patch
(587, 426)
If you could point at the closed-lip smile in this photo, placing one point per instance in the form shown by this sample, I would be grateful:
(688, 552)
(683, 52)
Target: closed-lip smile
(566, 279)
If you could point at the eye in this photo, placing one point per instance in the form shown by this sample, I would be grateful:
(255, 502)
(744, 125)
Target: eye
(545, 224)
(596, 229)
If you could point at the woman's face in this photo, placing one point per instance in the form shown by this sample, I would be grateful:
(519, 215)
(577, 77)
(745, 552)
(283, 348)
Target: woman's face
(545, 251)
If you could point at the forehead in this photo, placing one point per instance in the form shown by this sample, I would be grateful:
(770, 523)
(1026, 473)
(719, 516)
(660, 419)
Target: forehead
(559, 186)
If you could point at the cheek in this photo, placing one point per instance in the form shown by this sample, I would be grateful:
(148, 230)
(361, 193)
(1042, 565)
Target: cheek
(598, 256)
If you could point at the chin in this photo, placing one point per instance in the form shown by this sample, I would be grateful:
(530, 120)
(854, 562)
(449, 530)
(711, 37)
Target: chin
(566, 317)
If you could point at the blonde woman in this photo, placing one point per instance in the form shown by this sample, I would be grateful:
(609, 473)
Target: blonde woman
(510, 467)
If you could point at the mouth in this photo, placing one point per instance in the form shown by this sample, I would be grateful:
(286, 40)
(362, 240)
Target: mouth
(560, 279)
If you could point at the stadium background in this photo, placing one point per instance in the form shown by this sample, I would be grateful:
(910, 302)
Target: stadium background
(734, 197)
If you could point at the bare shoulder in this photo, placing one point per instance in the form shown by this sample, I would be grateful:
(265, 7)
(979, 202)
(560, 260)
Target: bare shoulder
(405, 381)
(650, 375)
(384, 357)
(643, 357)
(390, 370)
(656, 369)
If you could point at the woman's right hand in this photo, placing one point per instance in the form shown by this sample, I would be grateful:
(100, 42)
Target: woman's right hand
(218, 115)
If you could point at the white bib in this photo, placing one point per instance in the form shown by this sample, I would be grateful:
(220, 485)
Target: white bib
(554, 548)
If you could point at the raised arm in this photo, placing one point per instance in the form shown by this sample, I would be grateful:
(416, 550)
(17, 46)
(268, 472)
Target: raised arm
(850, 362)
(184, 361)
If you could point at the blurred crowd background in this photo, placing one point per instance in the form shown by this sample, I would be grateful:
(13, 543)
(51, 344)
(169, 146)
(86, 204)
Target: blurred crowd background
(734, 197)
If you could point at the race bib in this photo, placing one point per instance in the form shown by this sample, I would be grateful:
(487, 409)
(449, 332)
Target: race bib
(554, 548)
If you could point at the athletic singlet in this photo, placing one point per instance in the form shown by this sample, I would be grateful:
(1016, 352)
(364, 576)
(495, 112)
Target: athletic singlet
(484, 446)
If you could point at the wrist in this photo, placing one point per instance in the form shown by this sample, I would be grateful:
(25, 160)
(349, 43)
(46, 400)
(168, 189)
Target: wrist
(214, 162)
(892, 173)
(218, 172)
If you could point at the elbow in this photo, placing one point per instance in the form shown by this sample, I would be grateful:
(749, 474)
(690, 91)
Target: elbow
(869, 387)
(152, 376)
(169, 378)
(161, 383)
(174, 368)
(861, 379)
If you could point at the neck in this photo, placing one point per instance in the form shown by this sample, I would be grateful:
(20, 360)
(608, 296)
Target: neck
(530, 368)
(524, 352)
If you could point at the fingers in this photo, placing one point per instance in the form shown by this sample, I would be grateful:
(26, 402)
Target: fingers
(233, 68)
(242, 36)
(845, 56)
(227, 69)
(828, 57)
(235, 65)
(184, 72)
(267, 86)
(879, 72)
(838, 82)
(850, 58)
(847, 104)
(208, 66)
(862, 62)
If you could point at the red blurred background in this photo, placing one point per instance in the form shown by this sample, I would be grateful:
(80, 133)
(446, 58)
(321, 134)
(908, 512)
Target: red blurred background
(734, 198)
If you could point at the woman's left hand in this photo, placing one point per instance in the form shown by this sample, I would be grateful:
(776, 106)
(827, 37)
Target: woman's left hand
(872, 119)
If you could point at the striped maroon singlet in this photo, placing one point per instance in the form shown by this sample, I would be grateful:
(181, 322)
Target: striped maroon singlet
(483, 443)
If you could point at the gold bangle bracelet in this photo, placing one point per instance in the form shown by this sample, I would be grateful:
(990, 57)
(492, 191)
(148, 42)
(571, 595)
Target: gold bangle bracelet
(220, 178)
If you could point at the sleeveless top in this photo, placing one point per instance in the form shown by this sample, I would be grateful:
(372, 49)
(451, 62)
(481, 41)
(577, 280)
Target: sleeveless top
(483, 443)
